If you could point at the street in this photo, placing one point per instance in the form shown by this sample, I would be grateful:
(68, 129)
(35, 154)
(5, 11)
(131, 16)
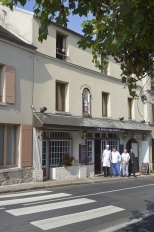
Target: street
(122, 206)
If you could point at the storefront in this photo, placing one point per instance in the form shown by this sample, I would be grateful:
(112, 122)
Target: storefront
(84, 139)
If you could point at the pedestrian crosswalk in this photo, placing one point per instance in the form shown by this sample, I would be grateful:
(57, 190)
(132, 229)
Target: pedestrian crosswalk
(19, 206)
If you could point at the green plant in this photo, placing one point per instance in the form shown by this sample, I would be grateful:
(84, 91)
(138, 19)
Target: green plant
(67, 161)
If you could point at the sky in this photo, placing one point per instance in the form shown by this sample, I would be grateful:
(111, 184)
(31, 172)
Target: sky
(75, 20)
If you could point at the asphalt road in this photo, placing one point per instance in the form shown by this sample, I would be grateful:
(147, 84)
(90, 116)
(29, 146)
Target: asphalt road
(111, 206)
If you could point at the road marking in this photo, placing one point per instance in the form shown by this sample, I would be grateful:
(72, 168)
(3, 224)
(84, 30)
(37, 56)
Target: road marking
(32, 199)
(55, 222)
(23, 194)
(122, 225)
(47, 207)
(99, 193)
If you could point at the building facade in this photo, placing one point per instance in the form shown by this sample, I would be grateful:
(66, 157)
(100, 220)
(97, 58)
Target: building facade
(83, 105)
(16, 85)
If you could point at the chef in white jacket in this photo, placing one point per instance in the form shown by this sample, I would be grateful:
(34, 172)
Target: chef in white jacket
(106, 158)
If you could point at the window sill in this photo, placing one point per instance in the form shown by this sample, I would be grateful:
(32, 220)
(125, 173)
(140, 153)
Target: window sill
(62, 113)
(15, 169)
(3, 104)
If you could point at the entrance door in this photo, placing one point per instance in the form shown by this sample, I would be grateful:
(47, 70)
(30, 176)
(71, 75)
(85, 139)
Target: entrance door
(132, 143)
(45, 158)
(97, 156)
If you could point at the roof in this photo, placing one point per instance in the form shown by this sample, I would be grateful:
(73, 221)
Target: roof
(6, 34)
(51, 120)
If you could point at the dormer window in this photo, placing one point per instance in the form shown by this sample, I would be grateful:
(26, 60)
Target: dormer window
(86, 102)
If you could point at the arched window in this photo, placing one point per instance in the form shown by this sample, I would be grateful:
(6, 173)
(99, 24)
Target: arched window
(86, 102)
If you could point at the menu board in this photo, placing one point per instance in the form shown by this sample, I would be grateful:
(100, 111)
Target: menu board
(144, 168)
(82, 153)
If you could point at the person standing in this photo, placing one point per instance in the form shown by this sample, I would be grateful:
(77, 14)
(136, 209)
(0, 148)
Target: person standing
(132, 163)
(115, 159)
(125, 159)
(106, 158)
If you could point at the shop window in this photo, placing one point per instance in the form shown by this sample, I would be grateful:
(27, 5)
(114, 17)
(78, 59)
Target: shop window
(104, 104)
(57, 149)
(97, 135)
(130, 108)
(103, 135)
(89, 135)
(59, 134)
(113, 143)
(7, 145)
(89, 151)
(60, 47)
(114, 136)
(86, 102)
(60, 96)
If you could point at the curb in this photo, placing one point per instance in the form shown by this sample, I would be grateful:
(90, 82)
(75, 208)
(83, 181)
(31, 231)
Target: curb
(45, 185)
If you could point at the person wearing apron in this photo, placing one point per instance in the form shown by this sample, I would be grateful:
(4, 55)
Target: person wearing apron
(106, 158)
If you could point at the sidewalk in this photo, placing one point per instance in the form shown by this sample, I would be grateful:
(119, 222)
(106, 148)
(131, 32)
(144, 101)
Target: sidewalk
(54, 183)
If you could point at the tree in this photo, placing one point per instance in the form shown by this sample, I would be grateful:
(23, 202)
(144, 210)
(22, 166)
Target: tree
(121, 28)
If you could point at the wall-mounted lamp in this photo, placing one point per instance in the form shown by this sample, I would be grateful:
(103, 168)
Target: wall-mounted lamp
(84, 133)
(143, 135)
(43, 109)
(124, 135)
(40, 136)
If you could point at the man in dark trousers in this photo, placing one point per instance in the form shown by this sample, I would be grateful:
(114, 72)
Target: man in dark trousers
(132, 163)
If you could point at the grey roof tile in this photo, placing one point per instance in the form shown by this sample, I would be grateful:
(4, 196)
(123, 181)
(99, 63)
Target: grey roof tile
(72, 121)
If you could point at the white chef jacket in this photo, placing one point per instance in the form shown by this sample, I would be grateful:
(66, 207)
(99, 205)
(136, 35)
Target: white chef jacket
(106, 158)
(115, 157)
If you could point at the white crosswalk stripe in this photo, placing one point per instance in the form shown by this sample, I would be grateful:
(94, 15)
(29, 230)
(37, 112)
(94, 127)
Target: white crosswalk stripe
(24, 194)
(42, 203)
(55, 222)
(47, 207)
(32, 199)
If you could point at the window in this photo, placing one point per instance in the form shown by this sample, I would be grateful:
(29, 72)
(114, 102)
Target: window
(57, 149)
(60, 134)
(7, 145)
(104, 104)
(104, 62)
(60, 96)
(129, 108)
(86, 102)
(112, 144)
(112, 135)
(89, 151)
(44, 153)
(60, 47)
(89, 135)
(97, 135)
(7, 84)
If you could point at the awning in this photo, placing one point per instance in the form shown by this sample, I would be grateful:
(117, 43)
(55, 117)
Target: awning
(52, 121)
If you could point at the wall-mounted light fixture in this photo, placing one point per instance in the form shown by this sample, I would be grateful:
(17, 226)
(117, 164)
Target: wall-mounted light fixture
(143, 135)
(40, 136)
(124, 135)
(43, 109)
(84, 133)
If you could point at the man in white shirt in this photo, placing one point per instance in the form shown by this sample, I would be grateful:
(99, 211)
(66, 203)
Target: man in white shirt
(106, 158)
(115, 159)
(125, 160)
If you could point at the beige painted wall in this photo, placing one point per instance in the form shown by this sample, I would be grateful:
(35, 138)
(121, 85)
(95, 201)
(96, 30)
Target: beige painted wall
(47, 71)
(18, 22)
(22, 60)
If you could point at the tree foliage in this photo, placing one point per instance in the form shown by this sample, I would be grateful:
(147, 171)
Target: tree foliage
(120, 28)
